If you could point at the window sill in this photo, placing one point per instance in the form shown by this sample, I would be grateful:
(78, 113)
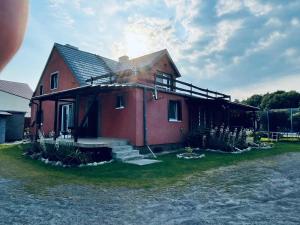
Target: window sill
(174, 120)
(122, 107)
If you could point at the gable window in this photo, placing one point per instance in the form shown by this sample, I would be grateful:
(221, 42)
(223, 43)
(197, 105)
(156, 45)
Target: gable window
(163, 81)
(41, 89)
(120, 103)
(54, 81)
(175, 111)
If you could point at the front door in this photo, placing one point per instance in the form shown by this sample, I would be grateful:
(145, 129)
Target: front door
(66, 118)
(90, 124)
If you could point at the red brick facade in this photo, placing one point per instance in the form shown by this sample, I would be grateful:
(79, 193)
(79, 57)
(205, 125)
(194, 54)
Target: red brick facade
(124, 123)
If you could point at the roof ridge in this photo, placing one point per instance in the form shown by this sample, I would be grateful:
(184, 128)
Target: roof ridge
(14, 82)
(162, 50)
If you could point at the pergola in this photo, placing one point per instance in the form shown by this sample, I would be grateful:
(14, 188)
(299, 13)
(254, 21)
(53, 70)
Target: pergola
(72, 96)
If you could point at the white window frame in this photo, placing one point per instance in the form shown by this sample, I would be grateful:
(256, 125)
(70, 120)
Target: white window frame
(51, 75)
(164, 81)
(176, 113)
(68, 116)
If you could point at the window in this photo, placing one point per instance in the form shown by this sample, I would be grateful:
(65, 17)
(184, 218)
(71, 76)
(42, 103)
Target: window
(41, 89)
(175, 111)
(54, 81)
(67, 117)
(120, 102)
(163, 81)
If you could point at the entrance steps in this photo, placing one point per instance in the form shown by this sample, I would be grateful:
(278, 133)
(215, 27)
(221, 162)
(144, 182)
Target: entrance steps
(125, 152)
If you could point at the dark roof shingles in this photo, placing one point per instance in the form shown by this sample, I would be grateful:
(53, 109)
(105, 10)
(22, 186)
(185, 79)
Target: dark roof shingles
(85, 65)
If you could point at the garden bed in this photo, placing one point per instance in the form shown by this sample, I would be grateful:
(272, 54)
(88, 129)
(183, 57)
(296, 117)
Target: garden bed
(65, 154)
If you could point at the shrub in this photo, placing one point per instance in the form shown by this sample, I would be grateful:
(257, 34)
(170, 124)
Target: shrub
(67, 153)
(219, 138)
(197, 137)
(32, 149)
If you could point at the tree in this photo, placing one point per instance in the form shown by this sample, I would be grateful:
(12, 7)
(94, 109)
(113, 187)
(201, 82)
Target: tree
(254, 100)
(275, 100)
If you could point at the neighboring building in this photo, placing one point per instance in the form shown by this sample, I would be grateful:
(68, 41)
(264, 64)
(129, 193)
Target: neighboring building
(14, 109)
(139, 99)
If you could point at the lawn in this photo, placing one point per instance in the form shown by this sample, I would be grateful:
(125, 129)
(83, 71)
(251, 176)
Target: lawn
(36, 175)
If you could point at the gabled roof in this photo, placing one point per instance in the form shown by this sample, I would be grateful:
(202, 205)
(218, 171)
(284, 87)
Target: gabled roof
(147, 60)
(15, 88)
(85, 65)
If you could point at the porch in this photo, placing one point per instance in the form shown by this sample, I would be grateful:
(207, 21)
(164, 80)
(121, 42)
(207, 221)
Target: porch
(99, 142)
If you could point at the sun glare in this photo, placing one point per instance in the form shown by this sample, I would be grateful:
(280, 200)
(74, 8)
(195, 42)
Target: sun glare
(137, 44)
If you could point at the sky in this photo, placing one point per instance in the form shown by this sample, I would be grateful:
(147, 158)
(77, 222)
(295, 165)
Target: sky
(240, 47)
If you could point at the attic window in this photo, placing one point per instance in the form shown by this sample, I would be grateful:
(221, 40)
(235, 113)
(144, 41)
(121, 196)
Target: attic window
(54, 81)
(163, 81)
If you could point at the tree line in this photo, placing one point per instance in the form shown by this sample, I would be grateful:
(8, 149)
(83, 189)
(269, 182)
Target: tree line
(277, 120)
(275, 100)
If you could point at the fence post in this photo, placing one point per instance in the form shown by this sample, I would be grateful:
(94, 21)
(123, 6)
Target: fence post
(268, 123)
(291, 120)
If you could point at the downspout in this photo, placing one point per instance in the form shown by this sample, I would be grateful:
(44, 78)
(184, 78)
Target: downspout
(145, 122)
(145, 117)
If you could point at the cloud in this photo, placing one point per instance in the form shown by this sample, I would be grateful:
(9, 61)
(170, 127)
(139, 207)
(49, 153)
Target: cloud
(224, 7)
(285, 82)
(60, 13)
(273, 22)
(154, 33)
(186, 11)
(56, 3)
(295, 22)
(257, 8)
(262, 44)
(228, 6)
(224, 31)
(143, 35)
(88, 11)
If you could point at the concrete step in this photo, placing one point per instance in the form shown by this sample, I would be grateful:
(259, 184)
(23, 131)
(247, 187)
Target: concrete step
(128, 158)
(124, 153)
(115, 143)
(120, 148)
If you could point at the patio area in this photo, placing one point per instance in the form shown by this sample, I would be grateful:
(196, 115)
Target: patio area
(99, 142)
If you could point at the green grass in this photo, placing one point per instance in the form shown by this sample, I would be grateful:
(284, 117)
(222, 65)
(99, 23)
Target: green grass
(36, 175)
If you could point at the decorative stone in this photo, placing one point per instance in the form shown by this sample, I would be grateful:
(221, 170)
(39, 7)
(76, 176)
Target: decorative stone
(190, 156)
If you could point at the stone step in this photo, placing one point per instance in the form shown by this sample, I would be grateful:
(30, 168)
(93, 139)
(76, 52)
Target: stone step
(118, 143)
(121, 148)
(121, 154)
(128, 158)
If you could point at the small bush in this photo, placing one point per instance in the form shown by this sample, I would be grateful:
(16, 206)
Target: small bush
(67, 153)
(219, 138)
(196, 138)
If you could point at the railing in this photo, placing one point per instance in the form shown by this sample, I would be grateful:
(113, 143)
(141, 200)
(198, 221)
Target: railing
(171, 85)
(106, 78)
(183, 87)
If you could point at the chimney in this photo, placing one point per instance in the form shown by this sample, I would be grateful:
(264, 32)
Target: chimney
(123, 59)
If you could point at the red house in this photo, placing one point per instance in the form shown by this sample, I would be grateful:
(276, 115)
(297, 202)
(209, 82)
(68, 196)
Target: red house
(140, 100)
